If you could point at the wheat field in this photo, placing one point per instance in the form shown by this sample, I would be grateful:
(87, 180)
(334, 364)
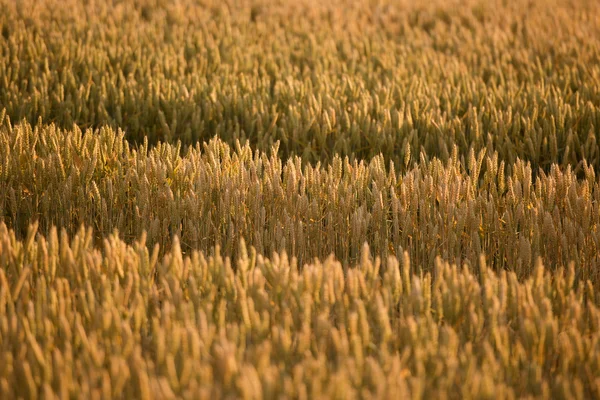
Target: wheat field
(290, 199)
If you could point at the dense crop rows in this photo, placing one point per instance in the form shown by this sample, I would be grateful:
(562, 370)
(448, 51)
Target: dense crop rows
(81, 322)
(349, 77)
(223, 199)
(217, 195)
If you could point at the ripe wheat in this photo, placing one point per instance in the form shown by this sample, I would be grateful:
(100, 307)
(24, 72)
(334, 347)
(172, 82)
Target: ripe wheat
(218, 195)
(520, 78)
(119, 321)
(160, 137)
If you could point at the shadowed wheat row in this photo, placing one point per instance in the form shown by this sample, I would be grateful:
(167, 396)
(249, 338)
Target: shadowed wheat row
(215, 194)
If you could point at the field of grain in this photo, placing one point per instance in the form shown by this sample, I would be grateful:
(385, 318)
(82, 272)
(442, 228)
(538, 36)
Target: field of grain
(299, 199)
